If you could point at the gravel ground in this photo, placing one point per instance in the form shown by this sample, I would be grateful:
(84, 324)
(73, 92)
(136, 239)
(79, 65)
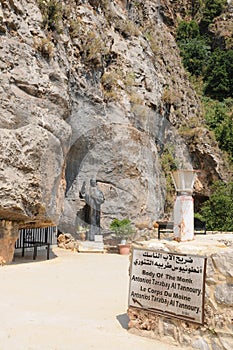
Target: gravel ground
(72, 301)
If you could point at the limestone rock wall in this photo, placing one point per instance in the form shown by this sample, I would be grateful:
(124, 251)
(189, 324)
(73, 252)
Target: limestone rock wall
(216, 332)
(34, 136)
(8, 236)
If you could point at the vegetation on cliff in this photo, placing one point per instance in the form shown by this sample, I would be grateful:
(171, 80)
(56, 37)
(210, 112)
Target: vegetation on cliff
(210, 63)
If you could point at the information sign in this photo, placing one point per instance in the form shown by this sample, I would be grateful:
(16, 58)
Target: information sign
(168, 284)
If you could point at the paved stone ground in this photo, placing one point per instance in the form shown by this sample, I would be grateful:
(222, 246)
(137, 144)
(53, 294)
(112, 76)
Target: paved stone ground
(72, 301)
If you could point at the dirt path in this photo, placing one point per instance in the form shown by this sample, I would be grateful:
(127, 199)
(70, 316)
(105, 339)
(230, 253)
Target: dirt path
(71, 302)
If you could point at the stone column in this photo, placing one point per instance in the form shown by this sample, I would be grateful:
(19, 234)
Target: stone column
(9, 231)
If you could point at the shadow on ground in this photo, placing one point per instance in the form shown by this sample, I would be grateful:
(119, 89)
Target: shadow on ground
(123, 320)
(28, 257)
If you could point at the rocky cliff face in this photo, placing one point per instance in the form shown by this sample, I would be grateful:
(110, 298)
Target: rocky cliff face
(93, 89)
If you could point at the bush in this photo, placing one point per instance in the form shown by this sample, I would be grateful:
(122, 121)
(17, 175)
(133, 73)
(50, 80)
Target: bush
(217, 210)
(122, 228)
(110, 84)
(75, 29)
(126, 28)
(45, 47)
(52, 14)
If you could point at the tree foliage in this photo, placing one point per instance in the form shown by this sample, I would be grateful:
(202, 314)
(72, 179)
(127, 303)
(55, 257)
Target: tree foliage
(217, 210)
(194, 48)
(219, 118)
(187, 30)
(195, 53)
(195, 43)
(122, 228)
(218, 75)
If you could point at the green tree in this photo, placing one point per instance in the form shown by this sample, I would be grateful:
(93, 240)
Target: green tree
(195, 53)
(194, 48)
(217, 210)
(187, 30)
(218, 75)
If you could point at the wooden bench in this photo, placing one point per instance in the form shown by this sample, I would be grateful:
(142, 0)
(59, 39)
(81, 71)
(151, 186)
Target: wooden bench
(167, 227)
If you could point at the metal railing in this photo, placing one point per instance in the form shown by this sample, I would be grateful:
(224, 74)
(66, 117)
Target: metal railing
(41, 234)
